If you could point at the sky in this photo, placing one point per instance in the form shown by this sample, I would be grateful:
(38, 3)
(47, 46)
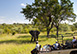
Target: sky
(10, 11)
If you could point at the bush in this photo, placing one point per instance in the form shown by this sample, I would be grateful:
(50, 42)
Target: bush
(1, 31)
(13, 33)
(53, 36)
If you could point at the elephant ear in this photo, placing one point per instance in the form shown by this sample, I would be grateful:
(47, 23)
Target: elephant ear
(38, 32)
(31, 32)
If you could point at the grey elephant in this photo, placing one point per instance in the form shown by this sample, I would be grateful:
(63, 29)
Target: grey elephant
(34, 34)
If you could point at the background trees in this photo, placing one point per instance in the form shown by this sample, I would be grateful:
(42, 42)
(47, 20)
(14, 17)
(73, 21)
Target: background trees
(64, 27)
(75, 24)
(25, 28)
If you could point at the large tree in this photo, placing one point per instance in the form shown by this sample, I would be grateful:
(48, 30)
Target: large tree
(42, 10)
(63, 11)
(49, 12)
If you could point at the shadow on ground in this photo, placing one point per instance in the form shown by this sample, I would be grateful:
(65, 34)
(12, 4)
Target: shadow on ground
(16, 41)
(41, 36)
(68, 39)
(24, 36)
(21, 40)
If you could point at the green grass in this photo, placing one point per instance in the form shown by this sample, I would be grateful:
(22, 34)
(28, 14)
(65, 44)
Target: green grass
(20, 44)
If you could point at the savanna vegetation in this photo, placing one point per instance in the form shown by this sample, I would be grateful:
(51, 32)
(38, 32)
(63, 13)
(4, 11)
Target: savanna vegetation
(18, 28)
(46, 17)
(19, 43)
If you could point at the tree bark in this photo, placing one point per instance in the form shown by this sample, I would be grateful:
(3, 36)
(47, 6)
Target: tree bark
(48, 31)
(57, 32)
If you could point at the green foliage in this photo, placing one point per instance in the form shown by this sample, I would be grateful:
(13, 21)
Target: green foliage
(53, 36)
(25, 28)
(1, 31)
(16, 27)
(73, 28)
(64, 27)
(40, 12)
(53, 29)
(49, 12)
(75, 24)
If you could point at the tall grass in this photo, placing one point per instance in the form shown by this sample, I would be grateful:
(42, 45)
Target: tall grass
(20, 44)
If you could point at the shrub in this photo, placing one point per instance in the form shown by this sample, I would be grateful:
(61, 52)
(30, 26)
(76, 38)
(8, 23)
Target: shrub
(13, 33)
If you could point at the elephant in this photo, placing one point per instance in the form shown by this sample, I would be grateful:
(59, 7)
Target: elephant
(34, 34)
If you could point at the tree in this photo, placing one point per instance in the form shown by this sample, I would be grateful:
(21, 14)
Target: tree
(42, 10)
(75, 24)
(49, 12)
(63, 10)
(64, 27)
(72, 27)
(38, 24)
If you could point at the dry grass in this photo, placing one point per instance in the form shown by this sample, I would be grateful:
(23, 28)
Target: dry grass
(20, 43)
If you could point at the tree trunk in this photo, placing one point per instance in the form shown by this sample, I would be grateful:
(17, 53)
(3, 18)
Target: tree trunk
(48, 31)
(57, 32)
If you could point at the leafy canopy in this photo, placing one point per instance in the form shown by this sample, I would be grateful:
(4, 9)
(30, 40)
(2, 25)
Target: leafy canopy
(42, 10)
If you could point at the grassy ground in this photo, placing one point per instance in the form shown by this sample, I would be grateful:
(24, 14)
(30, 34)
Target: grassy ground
(20, 43)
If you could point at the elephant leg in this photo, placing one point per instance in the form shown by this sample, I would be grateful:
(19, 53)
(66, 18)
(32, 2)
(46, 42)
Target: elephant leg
(34, 39)
(37, 38)
(31, 38)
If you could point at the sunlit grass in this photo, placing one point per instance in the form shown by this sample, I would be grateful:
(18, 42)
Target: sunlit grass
(20, 43)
